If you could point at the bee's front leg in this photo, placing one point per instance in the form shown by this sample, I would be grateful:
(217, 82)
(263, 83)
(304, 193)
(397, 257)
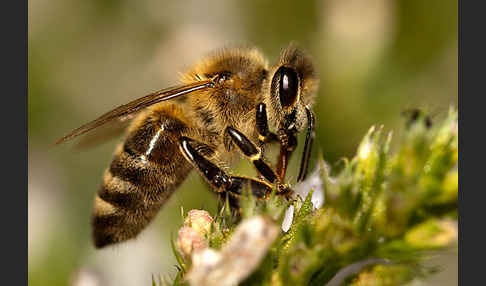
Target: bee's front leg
(264, 135)
(287, 140)
(309, 139)
(288, 143)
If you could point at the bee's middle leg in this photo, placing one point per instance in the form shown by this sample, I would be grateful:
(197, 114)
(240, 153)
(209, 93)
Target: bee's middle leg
(217, 178)
(253, 152)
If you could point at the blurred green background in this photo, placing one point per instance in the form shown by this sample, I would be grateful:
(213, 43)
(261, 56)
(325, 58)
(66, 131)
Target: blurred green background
(376, 58)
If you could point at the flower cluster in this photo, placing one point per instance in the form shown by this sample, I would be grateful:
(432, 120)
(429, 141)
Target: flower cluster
(192, 236)
(369, 224)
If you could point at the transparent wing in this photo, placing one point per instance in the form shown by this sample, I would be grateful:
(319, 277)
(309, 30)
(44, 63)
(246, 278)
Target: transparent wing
(138, 104)
(106, 132)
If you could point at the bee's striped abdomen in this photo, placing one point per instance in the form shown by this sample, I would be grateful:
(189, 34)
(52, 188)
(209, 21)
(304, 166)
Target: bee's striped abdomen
(145, 171)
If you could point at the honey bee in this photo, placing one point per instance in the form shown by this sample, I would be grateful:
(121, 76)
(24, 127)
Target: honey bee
(230, 100)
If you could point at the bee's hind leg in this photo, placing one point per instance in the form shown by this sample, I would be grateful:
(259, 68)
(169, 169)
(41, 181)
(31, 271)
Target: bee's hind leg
(217, 178)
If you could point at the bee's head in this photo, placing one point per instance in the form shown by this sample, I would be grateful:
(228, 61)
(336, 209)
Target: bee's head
(292, 85)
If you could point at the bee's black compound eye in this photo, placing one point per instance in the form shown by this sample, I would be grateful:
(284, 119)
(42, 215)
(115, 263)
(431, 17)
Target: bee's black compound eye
(288, 86)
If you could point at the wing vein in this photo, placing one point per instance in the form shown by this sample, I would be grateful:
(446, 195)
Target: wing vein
(137, 105)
